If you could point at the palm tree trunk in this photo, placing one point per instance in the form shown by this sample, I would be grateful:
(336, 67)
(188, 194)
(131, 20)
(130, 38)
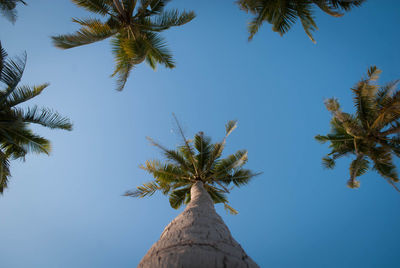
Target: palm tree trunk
(196, 238)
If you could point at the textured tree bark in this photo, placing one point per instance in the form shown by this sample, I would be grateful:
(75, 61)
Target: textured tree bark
(196, 238)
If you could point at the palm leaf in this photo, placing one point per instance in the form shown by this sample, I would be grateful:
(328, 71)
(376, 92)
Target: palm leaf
(177, 197)
(45, 117)
(11, 74)
(24, 93)
(170, 19)
(92, 30)
(147, 189)
(97, 6)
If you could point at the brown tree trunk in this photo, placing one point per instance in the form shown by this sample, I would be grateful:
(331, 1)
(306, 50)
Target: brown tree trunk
(196, 238)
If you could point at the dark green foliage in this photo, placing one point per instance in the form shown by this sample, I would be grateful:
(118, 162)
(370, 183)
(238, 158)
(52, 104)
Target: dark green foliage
(7, 9)
(134, 28)
(283, 14)
(372, 134)
(16, 138)
(195, 160)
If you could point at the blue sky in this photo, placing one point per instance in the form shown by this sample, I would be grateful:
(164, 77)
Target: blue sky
(66, 210)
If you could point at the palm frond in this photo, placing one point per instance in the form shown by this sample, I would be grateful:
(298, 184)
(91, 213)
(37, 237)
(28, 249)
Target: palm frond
(170, 19)
(328, 162)
(165, 172)
(3, 56)
(226, 165)
(284, 14)
(188, 151)
(24, 93)
(202, 144)
(11, 74)
(7, 9)
(4, 172)
(124, 61)
(45, 117)
(147, 189)
(218, 196)
(175, 156)
(101, 7)
(92, 30)
(158, 51)
(230, 209)
(177, 197)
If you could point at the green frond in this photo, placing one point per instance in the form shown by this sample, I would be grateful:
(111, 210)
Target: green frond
(328, 162)
(45, 117)
(157, 6)
(203, 145)
(3, 56)
(151, 62)
(7, 9)
(24, 93)
(92, 30)
(282, 15)
(217, 195)
(147, 189)
(165, 172)
(11, 74)
(321, 139)
(30, 142)
(230, 209)
(175, 156)
(242, 177)
(385, 167)
(158, 51)
(13, 150)
(383, 97)
(4, 172)
(358, 167)
(101, 7)
(187, 149)
(177, 197)
(172, 18)
(125, 59)
(226, 165)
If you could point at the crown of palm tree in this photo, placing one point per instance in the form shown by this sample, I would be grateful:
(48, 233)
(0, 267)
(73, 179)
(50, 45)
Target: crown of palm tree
(196, 160)
(16, 139)
(282, 14)
(134, 28)
(7, 8)
(372, 134)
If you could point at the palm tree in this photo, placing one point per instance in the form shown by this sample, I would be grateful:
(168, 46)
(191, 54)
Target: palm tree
(195, 174)
(372, 134)
(134, 30)
(16, 138)
(7, 8)
(283, 14)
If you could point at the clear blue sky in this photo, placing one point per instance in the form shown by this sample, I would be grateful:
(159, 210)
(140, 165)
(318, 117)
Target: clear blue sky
(66, 210)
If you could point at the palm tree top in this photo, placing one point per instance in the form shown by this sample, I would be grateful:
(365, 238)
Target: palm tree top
(196, 160)
(133, 27)
(16, 138)
(7, 9)
(283, 14)
(372, 134)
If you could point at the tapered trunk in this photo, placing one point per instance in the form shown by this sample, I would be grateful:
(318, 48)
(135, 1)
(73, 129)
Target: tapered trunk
(197, 237)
